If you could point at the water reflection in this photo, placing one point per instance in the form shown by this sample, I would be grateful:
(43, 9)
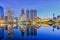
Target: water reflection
(24, 30)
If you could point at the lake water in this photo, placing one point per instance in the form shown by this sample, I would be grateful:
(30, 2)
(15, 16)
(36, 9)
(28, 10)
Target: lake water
(42, 33)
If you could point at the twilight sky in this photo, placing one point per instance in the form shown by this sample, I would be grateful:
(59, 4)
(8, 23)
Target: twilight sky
(45, 8)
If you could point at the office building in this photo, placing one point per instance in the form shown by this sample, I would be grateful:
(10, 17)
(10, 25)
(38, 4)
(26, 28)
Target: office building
(58, 17)
(1, 12)
(31, 14)
(21, 23)
(10, 21)
(35, 13)
(27, 15)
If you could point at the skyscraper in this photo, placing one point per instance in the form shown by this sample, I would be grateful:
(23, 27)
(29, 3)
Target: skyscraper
(10, 21)
(1, 25)
(28, 18)
(35, 13)
(58, 16)
(1, 12)
(20, 22)
(22, 11)
(30, 15)
(27, 15)
(10, 15)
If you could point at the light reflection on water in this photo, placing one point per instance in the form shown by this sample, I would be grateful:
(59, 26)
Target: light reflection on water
(42, 32)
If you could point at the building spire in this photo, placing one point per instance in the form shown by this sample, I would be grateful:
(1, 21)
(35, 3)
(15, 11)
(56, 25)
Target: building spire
(53, 15)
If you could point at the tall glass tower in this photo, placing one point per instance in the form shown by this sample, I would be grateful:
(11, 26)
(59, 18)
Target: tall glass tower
(30, 15)
(1, 12)
(27, 15)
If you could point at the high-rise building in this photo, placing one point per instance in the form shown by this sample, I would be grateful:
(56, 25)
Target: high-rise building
(1, 12)
(10, 21)
(22, 11)
(20, 22)
(27, 15)
(35, 13)
(1, 20)
(31, 14)
(27, 18)
(58, 16)
(10, 15)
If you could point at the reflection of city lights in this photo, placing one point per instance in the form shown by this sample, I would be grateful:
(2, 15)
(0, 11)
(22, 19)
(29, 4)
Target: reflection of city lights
(1, 22)
(37, 26)
(45, 25)
(29, 19)
(58, 25)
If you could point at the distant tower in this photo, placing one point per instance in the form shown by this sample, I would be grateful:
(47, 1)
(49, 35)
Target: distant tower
(1, 12)
(54, 18)
(53, 15)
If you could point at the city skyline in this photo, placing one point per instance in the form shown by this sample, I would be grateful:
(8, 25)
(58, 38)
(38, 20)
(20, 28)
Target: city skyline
(44, 8)
(29, 19)
(29, 13)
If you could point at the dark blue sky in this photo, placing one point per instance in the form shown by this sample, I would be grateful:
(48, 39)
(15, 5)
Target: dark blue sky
(45, 8)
